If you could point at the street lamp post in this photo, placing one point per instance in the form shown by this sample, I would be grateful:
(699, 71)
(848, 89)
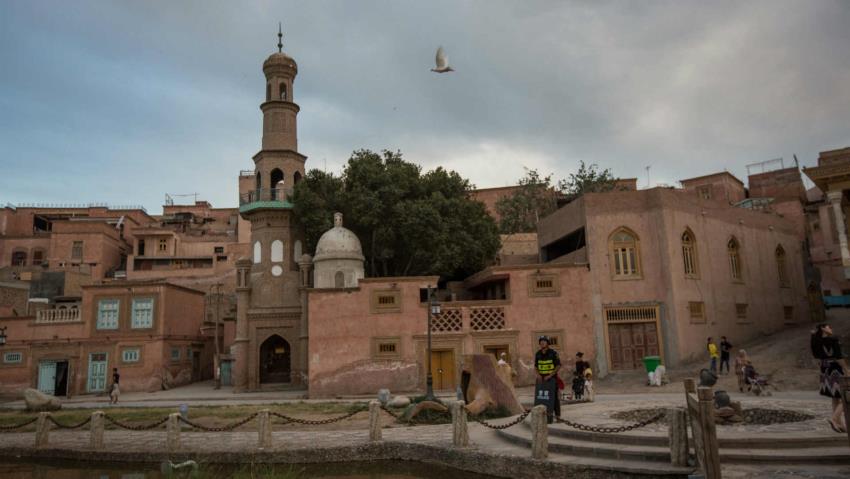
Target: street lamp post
(217, 359)
(433, 310)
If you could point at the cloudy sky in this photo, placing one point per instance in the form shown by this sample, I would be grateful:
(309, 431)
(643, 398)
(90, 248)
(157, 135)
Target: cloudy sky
(122, 102)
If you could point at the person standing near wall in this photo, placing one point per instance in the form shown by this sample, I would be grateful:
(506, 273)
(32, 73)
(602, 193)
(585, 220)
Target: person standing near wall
(547, 363)
(114, 391)
(833, 365)
(725, 351)
(712, 354)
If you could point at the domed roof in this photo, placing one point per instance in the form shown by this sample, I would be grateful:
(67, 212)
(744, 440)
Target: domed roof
(338, 243)
(279, 58)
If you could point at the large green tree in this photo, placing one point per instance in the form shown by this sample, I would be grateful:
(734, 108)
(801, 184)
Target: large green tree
(588, 179)
(409, 223)
(533, 199)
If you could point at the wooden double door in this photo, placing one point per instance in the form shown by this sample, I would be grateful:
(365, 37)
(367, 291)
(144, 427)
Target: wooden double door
(443, 369)
(630, 342)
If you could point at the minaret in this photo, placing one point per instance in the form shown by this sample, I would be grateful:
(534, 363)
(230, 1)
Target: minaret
(269, 302)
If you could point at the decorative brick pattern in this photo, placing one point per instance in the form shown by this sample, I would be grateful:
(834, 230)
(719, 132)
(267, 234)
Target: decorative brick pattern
(450, 320)
(487, 319)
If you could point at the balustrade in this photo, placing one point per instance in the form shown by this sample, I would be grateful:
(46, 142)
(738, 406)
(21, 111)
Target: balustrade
(52, 316)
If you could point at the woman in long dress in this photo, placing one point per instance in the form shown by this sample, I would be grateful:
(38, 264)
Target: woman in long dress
(833, 365)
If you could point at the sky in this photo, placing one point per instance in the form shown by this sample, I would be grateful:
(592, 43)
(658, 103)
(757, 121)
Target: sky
(123, 101)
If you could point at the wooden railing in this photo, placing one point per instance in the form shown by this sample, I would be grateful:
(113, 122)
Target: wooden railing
(52, 316)
(700, 404)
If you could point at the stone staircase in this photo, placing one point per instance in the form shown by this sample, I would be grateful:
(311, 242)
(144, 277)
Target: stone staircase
(649, 451)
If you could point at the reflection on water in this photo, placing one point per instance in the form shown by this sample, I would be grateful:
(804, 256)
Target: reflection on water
(357, 470)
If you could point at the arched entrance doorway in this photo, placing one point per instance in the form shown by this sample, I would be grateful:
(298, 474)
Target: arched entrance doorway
(275, 360)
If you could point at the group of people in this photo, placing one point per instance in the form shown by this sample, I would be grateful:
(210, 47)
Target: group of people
(746, 373)
(548, 384)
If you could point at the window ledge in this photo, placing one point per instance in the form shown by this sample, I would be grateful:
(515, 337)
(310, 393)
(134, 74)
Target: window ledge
(627, 278)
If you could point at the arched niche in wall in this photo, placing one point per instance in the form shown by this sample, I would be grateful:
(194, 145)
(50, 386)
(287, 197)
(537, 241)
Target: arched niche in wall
(277, 251)
(258, 252)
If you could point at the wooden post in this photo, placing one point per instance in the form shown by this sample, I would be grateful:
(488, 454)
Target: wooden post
(711, 465)
(374, 421)
(42, 430)
(844, 383)
(96, 431)
(539, 433)
(678, 432)
(460, 433)
(264, 429)
(172, 438)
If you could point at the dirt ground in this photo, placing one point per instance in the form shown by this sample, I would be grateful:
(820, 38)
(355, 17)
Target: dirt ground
(784, 357)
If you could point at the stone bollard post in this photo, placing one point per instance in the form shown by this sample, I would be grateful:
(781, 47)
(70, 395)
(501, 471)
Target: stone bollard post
(42, 430)
(96, 437)
(677, 420)
(172, 427)
(539, 433)
(374, 421)
(460, 433)
(264, 430)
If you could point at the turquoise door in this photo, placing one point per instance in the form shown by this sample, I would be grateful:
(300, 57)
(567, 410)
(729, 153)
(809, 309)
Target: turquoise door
(47, 377)
(97, 372)
(225, 373)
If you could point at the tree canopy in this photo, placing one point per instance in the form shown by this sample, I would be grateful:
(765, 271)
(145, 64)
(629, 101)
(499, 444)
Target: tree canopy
(536, 197)
(409, 223)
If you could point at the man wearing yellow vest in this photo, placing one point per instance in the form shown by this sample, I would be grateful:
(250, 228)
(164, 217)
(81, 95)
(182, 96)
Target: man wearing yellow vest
(547, 363)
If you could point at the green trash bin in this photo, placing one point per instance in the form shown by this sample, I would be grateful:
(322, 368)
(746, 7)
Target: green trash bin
(651, 362)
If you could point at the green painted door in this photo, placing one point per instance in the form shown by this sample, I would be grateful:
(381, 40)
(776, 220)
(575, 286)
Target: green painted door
(47, 377)
(97, 372)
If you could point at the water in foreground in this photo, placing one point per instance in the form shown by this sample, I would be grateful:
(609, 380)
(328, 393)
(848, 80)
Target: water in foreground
(355, 470)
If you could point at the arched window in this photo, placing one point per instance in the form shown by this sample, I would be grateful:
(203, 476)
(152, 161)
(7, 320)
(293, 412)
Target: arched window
(37, 257)
(283, 91)
(276, 178)
(296, 250)
(339, 280)
(259, 183)
(19, 258)
(268, 91)
(689, 254)
(258, 252)
(781, 266)
(625, 254)
(277, 251)
(735, 267)
(296, 177)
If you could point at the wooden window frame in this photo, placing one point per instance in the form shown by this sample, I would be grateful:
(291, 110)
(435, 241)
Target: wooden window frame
(179, 357)
(378, 308)
(379, 341)
(689, 254)
(138, 351)
(536, 291)
(704, 191)
(620, 250)
(97, 324)
(133, 312)
(6, 355)
(742, 311)
(699, 318)
(736, 263)
(74, 250)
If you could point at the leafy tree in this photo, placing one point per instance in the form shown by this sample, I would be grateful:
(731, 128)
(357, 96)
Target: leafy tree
(588, 179)
(533, 199)
(409, 223)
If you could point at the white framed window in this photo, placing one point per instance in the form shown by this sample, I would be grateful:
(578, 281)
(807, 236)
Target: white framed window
(175, 354)
(142, 313)
(13, 358)
(107, 314)
(130, 355)
(277, 251)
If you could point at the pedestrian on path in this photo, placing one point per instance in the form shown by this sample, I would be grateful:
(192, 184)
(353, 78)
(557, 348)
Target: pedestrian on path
(725, 351)
(113, 390)
(833, 365)
(713, 354)
(547, 363)
(741, 360)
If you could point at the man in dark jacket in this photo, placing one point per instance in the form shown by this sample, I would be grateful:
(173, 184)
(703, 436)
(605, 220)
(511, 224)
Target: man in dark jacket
(547, 363)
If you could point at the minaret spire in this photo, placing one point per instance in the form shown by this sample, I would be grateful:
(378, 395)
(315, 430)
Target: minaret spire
(279, 38)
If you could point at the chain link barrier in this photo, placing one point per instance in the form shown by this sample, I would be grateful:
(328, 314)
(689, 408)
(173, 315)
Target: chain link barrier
(516, 421)
(143, 427)
(319, 422)
(610, 430)
(225, 428)
(390, 412)
(68, 426)
(12, 427)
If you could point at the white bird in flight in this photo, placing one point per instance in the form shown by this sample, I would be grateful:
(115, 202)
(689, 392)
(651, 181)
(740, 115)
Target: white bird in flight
(442, 62)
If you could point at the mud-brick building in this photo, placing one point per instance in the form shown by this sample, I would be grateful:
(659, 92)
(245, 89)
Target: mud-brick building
(150, 331)
(668, 268)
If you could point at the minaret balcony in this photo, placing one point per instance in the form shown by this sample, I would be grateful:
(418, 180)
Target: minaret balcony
(275, 198)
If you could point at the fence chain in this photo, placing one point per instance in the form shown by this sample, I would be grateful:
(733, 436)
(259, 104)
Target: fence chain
(516, 421)
(143, 427)
(20, 425)
(609, 430)
(228, 427)
(66, 426)
(317, 422)
(390, 412)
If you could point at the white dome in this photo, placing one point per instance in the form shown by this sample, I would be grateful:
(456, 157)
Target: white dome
(338, 243)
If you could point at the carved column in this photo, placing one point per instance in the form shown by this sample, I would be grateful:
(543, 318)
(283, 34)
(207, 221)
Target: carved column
(240, 343)
(305, 264)
(835, 199)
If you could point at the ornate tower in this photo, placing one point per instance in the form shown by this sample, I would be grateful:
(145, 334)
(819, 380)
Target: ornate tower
(270, 345)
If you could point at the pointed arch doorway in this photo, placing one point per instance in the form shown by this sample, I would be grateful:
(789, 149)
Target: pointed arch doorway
(275, 360)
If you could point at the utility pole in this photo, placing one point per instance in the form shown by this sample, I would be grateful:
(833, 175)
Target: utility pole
(217, 355)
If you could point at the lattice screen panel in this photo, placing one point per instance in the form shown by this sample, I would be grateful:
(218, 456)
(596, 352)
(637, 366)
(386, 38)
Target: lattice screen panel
(487, 319)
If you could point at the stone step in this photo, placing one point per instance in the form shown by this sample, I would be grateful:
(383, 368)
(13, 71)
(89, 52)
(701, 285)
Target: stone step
(804, 453)
(653, 438)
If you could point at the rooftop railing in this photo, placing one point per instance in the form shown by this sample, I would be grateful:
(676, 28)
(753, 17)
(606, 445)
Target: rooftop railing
(283, 195)
(53, 316)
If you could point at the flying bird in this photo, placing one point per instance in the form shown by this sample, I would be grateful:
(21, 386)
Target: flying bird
(442, 62)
